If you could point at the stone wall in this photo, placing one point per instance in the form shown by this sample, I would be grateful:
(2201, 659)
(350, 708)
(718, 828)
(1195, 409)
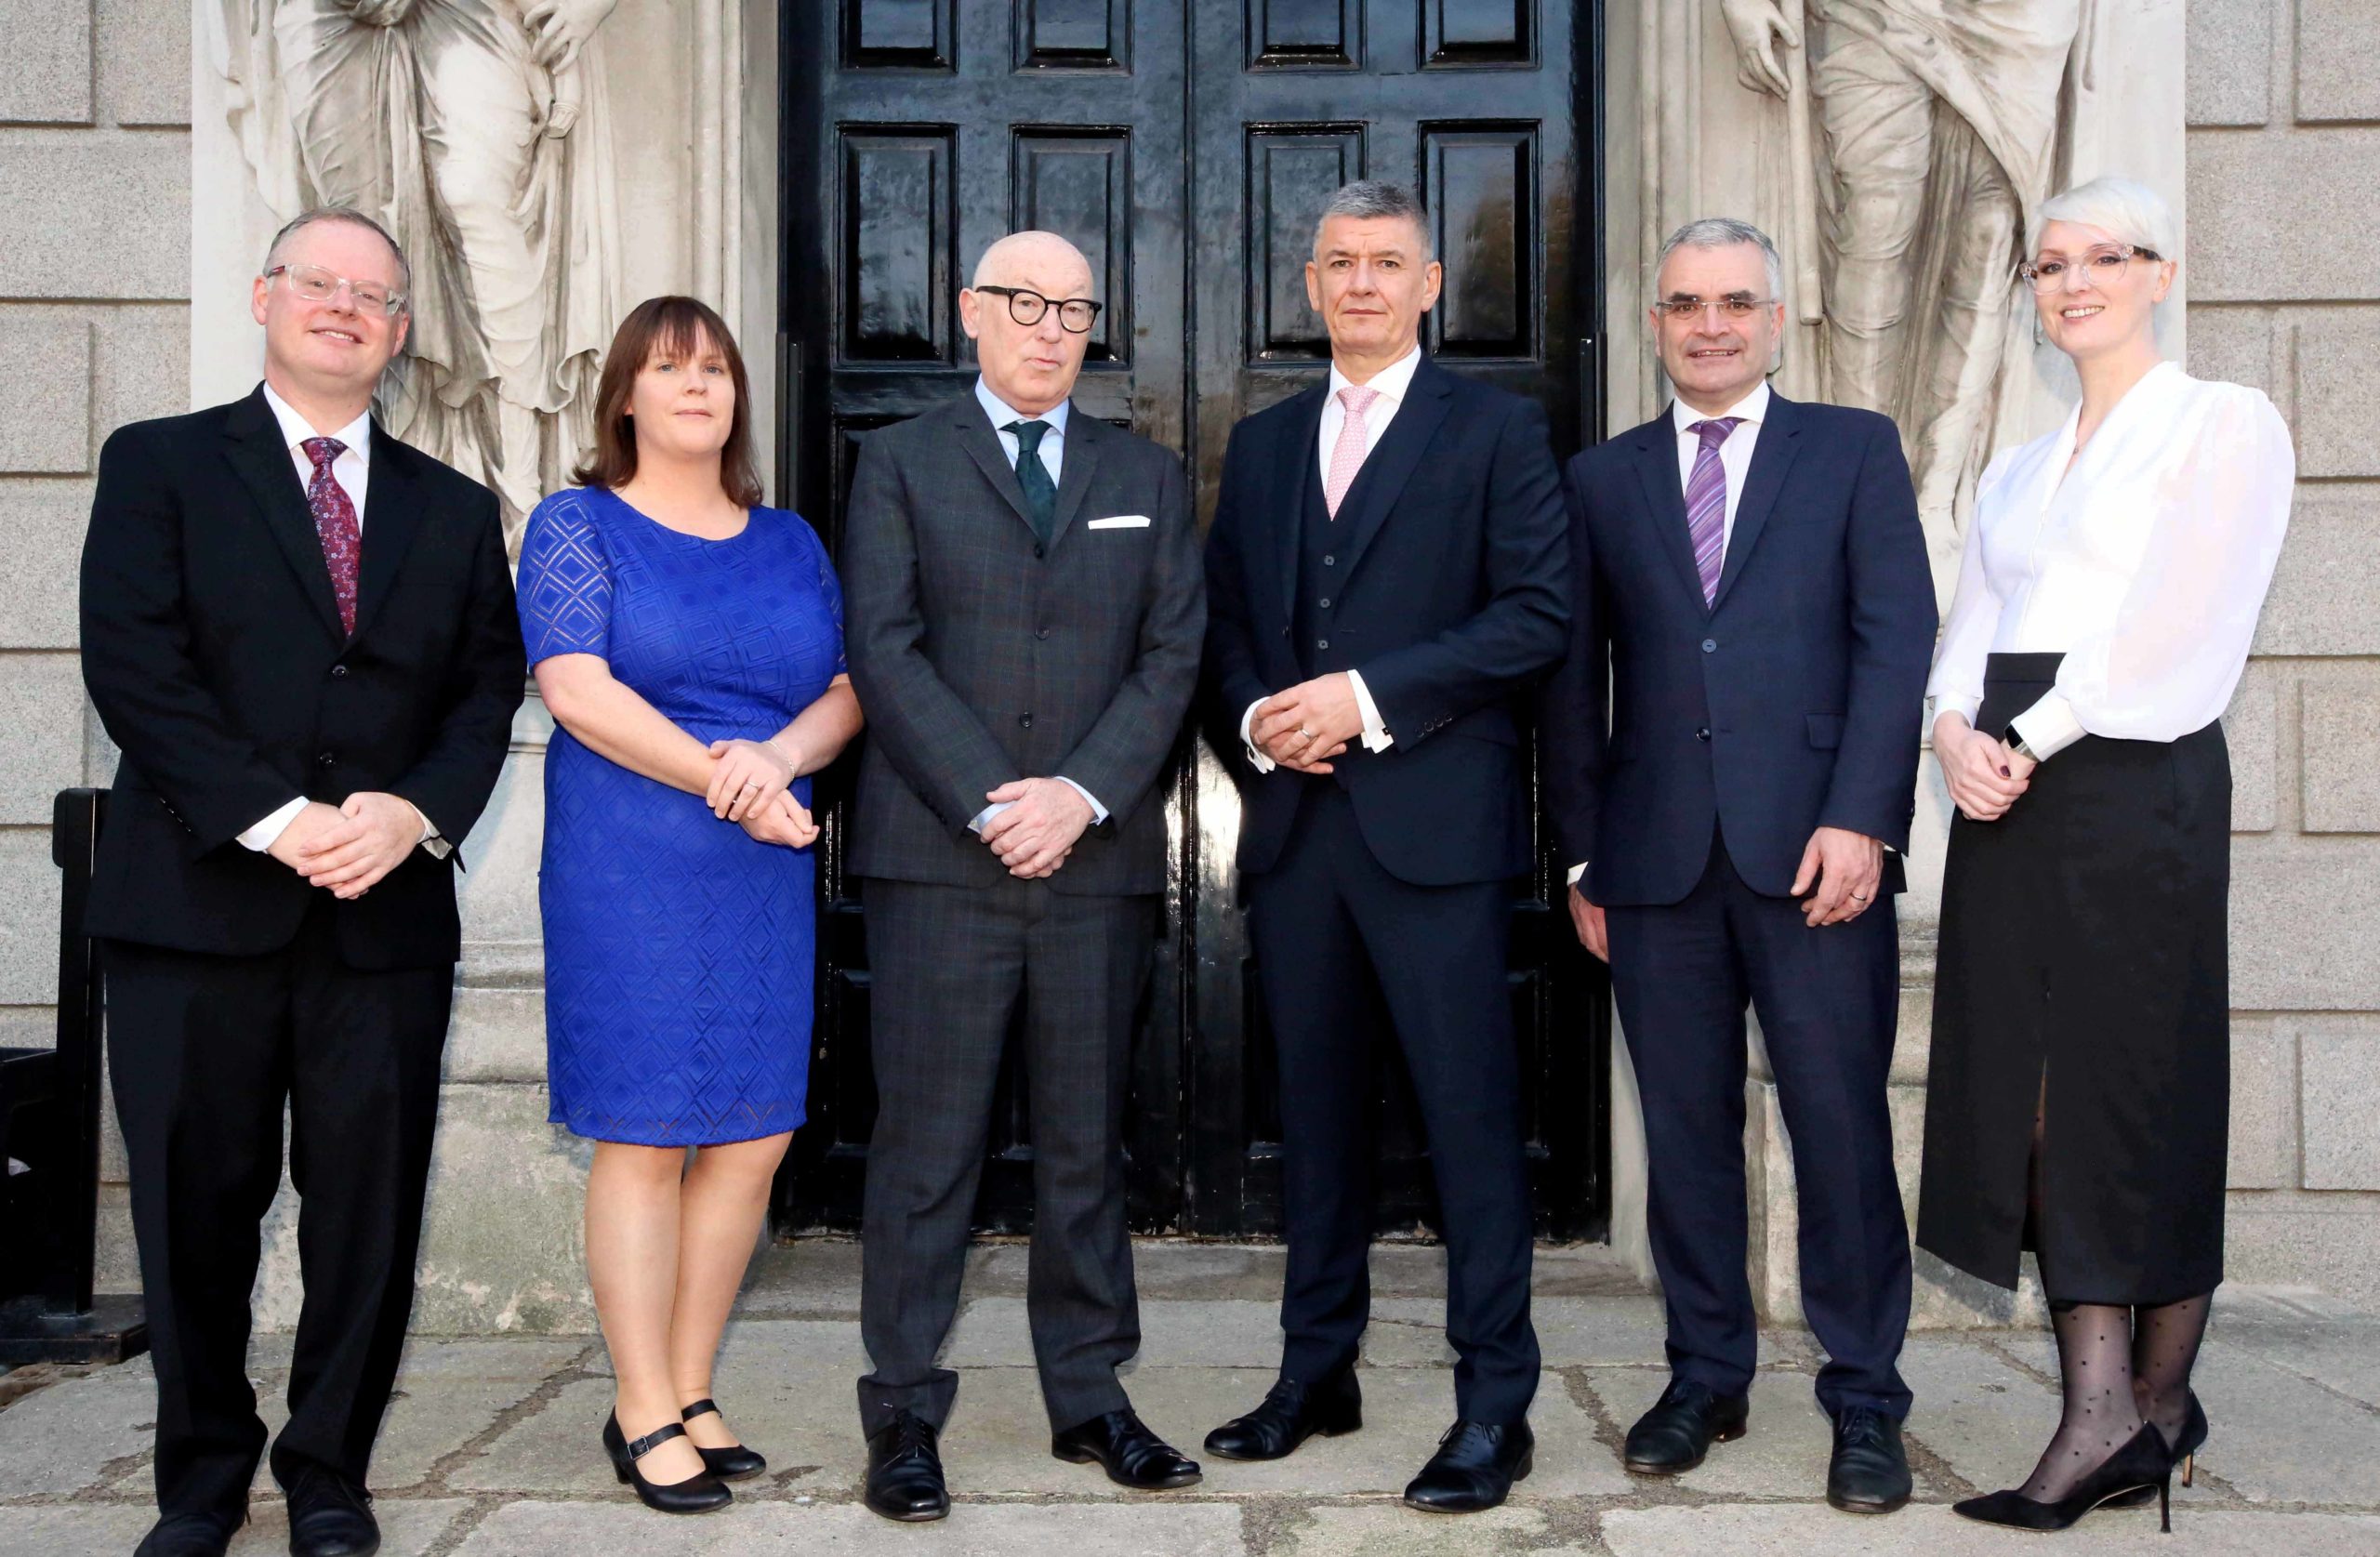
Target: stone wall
(94, 332)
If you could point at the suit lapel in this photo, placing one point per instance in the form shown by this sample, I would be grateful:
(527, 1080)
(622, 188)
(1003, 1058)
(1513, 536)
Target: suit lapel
(1382, 480)
(393, 514)
(1078, 460)
(1656, 462)
(1781, 439)
(257, 452)
(1305, 434)
(983, 445)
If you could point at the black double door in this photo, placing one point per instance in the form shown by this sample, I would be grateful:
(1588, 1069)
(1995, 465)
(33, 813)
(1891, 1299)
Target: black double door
(1185, 146)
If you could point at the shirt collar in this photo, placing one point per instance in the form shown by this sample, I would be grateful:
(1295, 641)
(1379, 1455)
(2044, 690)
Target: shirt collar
(1391, 382)
(1753, 408)
(1002, 413)
(296, 430)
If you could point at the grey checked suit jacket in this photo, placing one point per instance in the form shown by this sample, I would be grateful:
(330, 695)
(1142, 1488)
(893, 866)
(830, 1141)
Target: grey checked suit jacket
(981, 656)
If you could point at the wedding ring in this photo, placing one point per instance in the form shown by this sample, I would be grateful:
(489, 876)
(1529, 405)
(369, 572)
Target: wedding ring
(1304, 732)
(1859, 897)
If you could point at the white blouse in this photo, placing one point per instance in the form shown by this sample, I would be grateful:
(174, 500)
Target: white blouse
(2145, 566)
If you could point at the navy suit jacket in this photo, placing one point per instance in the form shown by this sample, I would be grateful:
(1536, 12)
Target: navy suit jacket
(1453, 593)
(1791, 703)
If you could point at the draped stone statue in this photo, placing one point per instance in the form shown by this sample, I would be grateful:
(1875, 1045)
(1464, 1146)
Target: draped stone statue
(478, 132)
(1939, 137)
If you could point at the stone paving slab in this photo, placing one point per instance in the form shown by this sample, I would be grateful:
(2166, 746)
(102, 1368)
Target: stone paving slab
(1985, 1419)
(819, 1530)
(407, 1529)
(60, 1439)
(1398, 1532)
(1936, 1531)
(2278, 1438)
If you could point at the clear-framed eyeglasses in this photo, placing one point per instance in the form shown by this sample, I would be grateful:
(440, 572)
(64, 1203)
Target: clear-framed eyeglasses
(1076, 315)
(318, 286)
(2102, 265)
(1734, 305)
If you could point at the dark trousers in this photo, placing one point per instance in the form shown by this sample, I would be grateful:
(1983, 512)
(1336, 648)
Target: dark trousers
(1339, 939)
(204, 1053)
(946, 965)
(1827, 999)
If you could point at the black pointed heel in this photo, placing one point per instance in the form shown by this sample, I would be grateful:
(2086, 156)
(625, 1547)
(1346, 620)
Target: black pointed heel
(736, 1462)
(2186, 1448)
(699, 1493)
(2144, 1464)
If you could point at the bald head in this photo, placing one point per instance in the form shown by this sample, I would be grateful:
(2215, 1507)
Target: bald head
(1031, 367)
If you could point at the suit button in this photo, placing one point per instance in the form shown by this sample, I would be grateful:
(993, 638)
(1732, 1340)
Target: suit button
(1041, 632)
(1322, 643)
(1710, 645)
(1039, 549)
(338, 670)
(1325, 602)
(328, 760)
(1285, 632)
(1328, 561)
(1703, 734)
(1025, 722)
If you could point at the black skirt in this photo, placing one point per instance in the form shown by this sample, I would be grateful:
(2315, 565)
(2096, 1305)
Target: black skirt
(2084, 967)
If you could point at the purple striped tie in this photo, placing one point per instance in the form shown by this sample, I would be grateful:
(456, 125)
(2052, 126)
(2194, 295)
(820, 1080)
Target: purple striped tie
(1706, 503)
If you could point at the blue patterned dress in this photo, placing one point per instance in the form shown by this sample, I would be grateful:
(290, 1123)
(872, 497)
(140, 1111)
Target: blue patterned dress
(677, 947)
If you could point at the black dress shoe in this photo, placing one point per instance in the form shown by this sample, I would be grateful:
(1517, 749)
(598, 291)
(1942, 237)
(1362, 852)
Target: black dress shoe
(1134, 1457)
(699, 1493)
(735, 1463)
(1671, 1438)
(1291, 1414)
(189, 1535)
(330, 1516)
(1870, 1471)
(1475, 1468)
(904, 1471)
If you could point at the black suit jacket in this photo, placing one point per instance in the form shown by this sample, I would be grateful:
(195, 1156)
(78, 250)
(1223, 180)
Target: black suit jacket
(982, 655)
(1453, 597)
(213, 652)
(1792, 702)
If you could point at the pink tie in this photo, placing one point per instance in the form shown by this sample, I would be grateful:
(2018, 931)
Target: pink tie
(1355, 442)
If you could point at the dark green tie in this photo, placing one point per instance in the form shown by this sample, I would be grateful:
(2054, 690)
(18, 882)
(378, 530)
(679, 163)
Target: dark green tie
(1040, 491)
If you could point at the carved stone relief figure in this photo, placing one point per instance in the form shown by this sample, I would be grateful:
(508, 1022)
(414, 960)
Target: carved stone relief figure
(477, 130)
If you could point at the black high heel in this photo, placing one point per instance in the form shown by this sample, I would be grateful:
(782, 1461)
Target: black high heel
(2185, 1447)
(2144, 1462)
(699, 1493)
(735, 1463)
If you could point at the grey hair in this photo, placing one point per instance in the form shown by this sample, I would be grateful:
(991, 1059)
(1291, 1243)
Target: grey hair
(2126, 210)
(1371, 199)
(352, 218)
(1724, 232)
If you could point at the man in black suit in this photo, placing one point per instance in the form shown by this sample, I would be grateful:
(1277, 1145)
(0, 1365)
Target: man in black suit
(1388, 574)
(1025, 607)
(1752, 590)
(301, 632)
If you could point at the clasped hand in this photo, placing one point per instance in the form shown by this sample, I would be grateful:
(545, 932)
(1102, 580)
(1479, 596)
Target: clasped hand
(1984, 776)
(347, 847)
(1303, 727)
(1044, 818)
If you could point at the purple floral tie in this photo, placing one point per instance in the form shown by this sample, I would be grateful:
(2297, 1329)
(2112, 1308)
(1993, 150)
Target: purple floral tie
(335, 523)
(1706, 503)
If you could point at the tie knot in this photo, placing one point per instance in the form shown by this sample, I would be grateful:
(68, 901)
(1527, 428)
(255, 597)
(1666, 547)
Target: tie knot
(321, 451)
(1715, 431)
(1357, 398)
(1028, 435)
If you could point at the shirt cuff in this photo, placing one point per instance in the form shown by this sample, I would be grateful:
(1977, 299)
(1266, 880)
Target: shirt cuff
(1376, 735)
(1952, 702)
(430, 843)
(1577, 872)
(1263, 763)
(2049, 726)
(266, 833)
(984, 817)
(1098, 811)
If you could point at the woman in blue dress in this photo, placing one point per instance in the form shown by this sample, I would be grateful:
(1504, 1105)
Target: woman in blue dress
(689, 644)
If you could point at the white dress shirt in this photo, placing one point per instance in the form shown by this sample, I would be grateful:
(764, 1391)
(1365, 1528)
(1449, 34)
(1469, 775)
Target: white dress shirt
(2144, 561)
(352, 471)
(1391, 385)
(1054, 459)
(1735, 453)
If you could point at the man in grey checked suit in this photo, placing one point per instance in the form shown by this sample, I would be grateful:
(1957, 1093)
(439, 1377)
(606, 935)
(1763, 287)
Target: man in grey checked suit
(1024, 611)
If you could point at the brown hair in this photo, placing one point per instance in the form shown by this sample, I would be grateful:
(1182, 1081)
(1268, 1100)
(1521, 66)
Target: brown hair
(675, 326)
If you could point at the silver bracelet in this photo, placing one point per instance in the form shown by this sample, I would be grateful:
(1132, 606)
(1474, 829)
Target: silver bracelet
(792, 767)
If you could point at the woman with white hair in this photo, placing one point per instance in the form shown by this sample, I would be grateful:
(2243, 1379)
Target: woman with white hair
(2079, 1098)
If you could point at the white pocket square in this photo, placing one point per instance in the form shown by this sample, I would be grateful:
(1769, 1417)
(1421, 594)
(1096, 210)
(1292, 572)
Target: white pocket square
(1121, 521)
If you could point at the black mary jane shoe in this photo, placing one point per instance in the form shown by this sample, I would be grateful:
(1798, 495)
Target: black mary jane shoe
(736, 1462)
(1291, 1414)
(330, 1516)
(1475, 1468)
(2144, 1462)
(1671, 1438)
(190, 1534)
(699, 1493)
(904, 1471)
(1869, 1472)
(1133, 1456)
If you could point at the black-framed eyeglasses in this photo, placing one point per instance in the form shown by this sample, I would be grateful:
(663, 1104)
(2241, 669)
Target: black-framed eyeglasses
(1734, 305)
(1076, 315)
(318, 286)
(2101, 265)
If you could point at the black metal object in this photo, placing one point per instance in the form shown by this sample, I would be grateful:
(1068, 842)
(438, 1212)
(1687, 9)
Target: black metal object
(49, 1122)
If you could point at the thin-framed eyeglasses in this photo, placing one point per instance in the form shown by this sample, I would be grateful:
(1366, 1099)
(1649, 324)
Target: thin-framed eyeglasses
(1734, 305)
(318, 286)
(1076, 315)
(2102, 265)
